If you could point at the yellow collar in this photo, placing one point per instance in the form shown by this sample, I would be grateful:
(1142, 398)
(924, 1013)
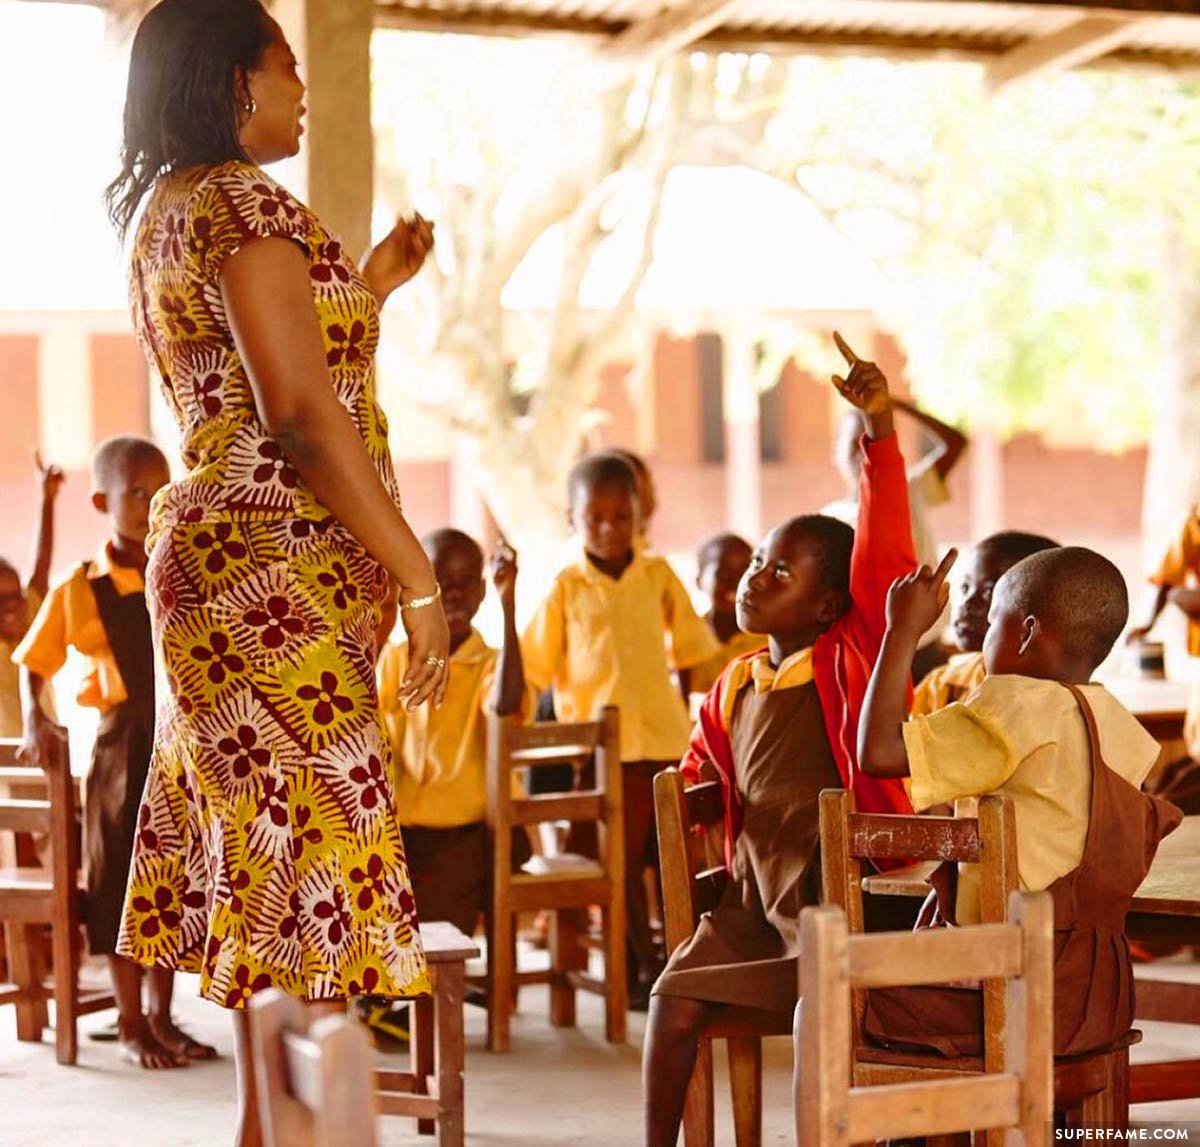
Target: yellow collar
(795, 670)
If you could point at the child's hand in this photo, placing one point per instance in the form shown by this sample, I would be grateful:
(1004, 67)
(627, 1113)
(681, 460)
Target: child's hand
(865, 386)
(43, 738)
(1186, 598)
(50, 476)
(917, 599)
(504, 575)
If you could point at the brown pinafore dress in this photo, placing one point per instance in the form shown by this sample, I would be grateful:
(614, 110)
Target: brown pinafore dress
(744, 951)
(120, 762)
(1093, 973)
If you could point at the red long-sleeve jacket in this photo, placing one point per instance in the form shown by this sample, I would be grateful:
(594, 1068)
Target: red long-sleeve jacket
(843, 656)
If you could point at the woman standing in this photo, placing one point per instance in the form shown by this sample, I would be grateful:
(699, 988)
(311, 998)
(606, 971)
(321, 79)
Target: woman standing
(268, 852)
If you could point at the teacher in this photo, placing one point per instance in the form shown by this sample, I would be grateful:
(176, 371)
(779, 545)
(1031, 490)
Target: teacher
(268, 852)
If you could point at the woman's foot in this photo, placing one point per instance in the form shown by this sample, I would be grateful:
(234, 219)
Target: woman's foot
(140, 1047)
(167, 1033)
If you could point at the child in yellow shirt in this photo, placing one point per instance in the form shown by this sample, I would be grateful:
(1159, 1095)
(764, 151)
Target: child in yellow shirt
(986, 564)
(99, 609)
(615, 623)
(720, 563)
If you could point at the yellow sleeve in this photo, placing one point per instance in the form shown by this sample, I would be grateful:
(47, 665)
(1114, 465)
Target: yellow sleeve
(544, 642)
(393, 663)
(929, 696)
(970, 747)
(43, 649)
(1183, 557)
(692, 641)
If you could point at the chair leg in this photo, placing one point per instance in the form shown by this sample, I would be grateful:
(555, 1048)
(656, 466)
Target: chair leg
(22, 942)
(745, 1083)
(66, 991)
(698, 1115)
(1119, 1113)
(501, 973)
(566, 956)
(420, 1048)
(449, 990)
(616, 983)
(1094, 1111)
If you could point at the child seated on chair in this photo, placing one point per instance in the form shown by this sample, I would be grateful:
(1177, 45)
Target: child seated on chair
(99, 609)
(614, 624)
(982, 568)
(1067, 753)
(720, 563)
(440, 755)
(778, 727)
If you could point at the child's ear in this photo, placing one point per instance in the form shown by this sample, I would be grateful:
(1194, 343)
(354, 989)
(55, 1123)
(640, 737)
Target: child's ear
(1030, 628)
(834, 605)
(100, 501)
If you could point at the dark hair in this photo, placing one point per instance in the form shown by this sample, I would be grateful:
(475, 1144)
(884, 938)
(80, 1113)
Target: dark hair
(181, 99)
(111, 457)
(1011, 546)
(605, 469)
(7, 567)
(833, 541)
(437, 541)
(712, 547)
(1076, 592)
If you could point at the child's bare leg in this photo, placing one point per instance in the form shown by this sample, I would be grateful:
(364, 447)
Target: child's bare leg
(249, 1126)
(138, 1043)
(672, 1036)
(161, 982)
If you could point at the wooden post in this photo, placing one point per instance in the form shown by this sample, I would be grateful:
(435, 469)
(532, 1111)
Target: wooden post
(743, 457)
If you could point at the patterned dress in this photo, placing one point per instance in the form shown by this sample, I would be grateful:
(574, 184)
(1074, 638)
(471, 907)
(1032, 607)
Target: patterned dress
(268, 852)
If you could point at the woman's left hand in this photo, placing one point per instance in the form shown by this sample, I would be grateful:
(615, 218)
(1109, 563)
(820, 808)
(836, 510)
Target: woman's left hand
(399, 256)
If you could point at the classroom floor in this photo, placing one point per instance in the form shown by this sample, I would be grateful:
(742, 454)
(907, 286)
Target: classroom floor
(557, 1087)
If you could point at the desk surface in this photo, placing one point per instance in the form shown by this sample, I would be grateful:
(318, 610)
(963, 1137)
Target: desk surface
(1150, 697)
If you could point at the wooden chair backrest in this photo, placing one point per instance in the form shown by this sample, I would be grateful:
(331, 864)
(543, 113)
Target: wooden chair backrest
(513, 746)
(987, 839)
(53, 814)
(691, 850)
(314, 1081)
(1018, 1094)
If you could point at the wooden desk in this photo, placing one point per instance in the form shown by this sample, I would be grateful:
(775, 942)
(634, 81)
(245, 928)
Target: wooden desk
(1160, 705)
(1166, 907)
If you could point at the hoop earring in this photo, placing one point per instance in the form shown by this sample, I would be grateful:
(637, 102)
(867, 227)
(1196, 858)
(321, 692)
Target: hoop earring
(250, 107)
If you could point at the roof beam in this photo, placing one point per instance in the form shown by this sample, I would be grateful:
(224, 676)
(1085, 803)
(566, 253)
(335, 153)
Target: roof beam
(669, 31)
(1079, 42)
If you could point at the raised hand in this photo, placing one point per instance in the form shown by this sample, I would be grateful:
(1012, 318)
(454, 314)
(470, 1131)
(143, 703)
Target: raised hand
(51, 477)
(398, 256)
(917, 600)
(504, 574)
(865, 385)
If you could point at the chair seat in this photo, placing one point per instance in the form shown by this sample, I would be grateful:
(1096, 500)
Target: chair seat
(735, 1021)
(564, 864)
(1129, 1039)
(929, 1061)
(25, 880)
(547, 754)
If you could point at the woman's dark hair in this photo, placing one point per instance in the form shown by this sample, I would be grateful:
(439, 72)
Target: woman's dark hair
(181, 100)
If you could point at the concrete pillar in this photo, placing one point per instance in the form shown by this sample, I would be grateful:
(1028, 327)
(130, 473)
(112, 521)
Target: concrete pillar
(743, 458)
(334, 171)
(65, 430)
(985, 464)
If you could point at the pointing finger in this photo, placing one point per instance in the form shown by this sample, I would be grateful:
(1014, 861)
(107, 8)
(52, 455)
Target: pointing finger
(944, 566)
(849, 355)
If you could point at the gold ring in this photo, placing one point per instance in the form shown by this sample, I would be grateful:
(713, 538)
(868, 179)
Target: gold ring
(440, 662)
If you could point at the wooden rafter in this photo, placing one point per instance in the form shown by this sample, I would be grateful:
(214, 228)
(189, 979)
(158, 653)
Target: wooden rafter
(1078, 43)
(670, 30)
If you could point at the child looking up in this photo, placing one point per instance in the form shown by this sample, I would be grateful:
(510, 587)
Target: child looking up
(613, 626)
(983, 568)
(720, 563)
(440, 755)
(99, 609)
(1065, 751)
(19, 603)
(779, 726)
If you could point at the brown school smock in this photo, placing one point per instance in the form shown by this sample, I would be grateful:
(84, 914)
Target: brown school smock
(744, 951)
(1093, 973)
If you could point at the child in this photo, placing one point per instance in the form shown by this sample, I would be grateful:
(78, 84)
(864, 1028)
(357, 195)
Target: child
(720, 563)
(440, 755)
(779, 726)
(614, 624)
(647, 493)
(987, 563)
(1069, 756)
(100, 610)
(19, 603)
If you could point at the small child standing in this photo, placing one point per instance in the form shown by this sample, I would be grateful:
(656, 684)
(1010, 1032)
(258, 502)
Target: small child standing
(20, 603)
(440, 755)
(99, 609)
(987, 563)
(614, 624)
(721, 562)
(1067, 754)
(778, 727)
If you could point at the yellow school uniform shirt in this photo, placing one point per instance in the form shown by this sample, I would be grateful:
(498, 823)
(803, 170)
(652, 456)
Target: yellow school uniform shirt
(441, 754)
(704, 675)
(12, 721)
(950, 682)
(69, 618)
(1181, 566)
(602, 641)
(1025, 738)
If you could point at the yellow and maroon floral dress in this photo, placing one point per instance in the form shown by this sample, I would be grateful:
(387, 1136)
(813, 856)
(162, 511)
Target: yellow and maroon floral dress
(268, 852)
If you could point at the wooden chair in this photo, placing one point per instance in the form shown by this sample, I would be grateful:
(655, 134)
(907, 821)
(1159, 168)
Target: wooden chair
(565, 885)
(1092, 1088)
(691, 847)
(832, 1109)
(432, 1090)
(313, 1080)
(32, 897)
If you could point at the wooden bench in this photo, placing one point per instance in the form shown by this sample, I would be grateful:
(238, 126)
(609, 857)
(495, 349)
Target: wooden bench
(432, 1090)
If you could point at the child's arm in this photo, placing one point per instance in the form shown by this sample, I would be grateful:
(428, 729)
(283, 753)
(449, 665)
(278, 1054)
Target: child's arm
(544, 642)
(51, 478)
(42, 733)
(914, 604)
(509, 689)
(1181, 559)
(951, 443)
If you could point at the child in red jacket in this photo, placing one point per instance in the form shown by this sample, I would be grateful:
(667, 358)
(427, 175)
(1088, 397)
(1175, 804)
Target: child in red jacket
(779, 726)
